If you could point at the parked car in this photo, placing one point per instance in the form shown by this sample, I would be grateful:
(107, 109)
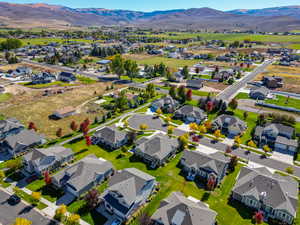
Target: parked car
(14, 200)
(116, 222)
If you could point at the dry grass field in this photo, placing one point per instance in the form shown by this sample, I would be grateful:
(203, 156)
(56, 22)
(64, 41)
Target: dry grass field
(30, 106)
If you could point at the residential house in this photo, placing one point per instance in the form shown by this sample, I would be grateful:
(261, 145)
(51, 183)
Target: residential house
(277, 136)
(21, 71)
(43, 78)
(196, 164)
(260, 93)
(64, 112)
(66, 77)
(166, 104)
(19, 143)
(83, 175)
(156, 150)
(128, 189)
(190, 114)
(10, 127)
(195, 84)
(179, 210)
(224, 75)
(275, 195)
(272, 82)
(104, 62)
(229, 125)
(110, 137)
(39, 161)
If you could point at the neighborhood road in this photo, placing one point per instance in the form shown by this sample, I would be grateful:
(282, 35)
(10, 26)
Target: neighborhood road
(230, 92)
(9, 213)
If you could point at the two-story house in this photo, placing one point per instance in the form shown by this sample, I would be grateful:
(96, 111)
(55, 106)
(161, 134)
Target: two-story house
(156, 150)
(166, 104)
(275, 195)
(66, 77)
(197, 164)
(83, 175)
(277, 136)
(179, 210)
(110, 137)
(190, 114)
(39, 161)
(128, 189)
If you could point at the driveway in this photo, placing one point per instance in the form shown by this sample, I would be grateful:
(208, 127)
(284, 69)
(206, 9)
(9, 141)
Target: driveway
(8, 213)
(66, 199)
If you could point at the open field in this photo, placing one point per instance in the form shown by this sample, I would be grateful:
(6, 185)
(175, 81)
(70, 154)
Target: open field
(44, 41)
(31, 106)
(285, 101)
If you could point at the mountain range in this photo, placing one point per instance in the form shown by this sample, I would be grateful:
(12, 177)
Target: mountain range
(43, 15)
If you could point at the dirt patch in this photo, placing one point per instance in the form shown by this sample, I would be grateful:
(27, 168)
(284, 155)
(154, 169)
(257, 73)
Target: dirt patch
(216, 85)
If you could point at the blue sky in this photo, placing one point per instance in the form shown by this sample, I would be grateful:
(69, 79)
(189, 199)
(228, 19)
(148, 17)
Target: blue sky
(150, 5)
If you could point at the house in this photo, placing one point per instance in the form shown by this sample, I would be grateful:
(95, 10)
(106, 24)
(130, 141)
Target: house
(260, 93)
(223, 75)
(195, 84)
(66, 77)
(196, 164)
(179, 210)
(64, 112)
(110, 137)
(19, 143)
(229, 125)
(156, 150)
(177, 77)
(128, 189)
(21, 71)
(190, 114)
(277, 136)
(10, 127)
(166, 104)
(83, 175)
(43, 78)
(275, 195)
(40, 160)
(272, 82)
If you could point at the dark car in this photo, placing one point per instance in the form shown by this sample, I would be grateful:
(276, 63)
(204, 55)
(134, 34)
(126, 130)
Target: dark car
(14, 199)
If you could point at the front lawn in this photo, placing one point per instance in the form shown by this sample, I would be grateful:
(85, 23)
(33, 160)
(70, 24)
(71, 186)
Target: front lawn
(27, 198)
(242, 95)
(285, 101)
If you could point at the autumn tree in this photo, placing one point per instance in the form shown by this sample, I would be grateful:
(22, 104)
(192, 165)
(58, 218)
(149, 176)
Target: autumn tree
(183, 142)
(289, 170)
(245, 115)
(252, 144)
(211, 183)
(22, 221)
(2, 175)
(193, 126)
(258, 217)
(73, 126)
(36, 196)
(228, 149)
(181, 93)
(208, 124)
(209, 106)
(170, 130)
(92, 198)
(217, 134)
(172, 92)
(31, 126)
(47, 178)
(88, 140)
(158, 112)
(59, 132)
(233, 163)
(237, 141)
(202, 129)
(233, 104)
(266, 149)
(73, 219)
(189, 95)
(60, 212)
(143, 127)
(168, 120)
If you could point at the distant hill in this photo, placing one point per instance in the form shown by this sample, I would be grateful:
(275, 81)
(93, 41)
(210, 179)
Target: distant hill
(44, 15)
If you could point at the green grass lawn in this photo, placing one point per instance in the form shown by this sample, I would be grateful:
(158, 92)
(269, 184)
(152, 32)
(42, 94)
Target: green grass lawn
(170, 180)
(242, 95)
(55, 83)
(285, 101)
(85, 80)
(27, 198)
(5, 97)
(138, 80)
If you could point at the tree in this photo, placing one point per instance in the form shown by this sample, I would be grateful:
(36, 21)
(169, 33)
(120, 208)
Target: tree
(217, 134)
(10, 44)
(143, 127)
(233, 104)
(228, 149)
(237, 141)
(170, 130)
(202, 129)
(60, 212)
(168, 120)
(125, 123)
(289, 170)
(117, 65)
(185, 72)
(73, 219)
(73, 126)
(59, 132)
(32, 126)
(245, 115)
(211, 183)
(36, 196)
(22, 221)
(266, 149)
(193, 126)
(258, 217)
(88, 140)
(47, 178)
(150, 90)
(233, 162)
(172, 92)
(181, 93)
(2, 175)
(208, 124)
(209, 106)
(92, 198)
(145, 219)
(14, 164)
(158, 112)
(189, 95)
(132, 137)
(252, 144)
(183, 142)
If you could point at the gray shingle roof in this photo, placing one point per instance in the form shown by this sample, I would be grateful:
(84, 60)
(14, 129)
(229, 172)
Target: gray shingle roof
(110, 134)
(231, 122)
(215, 162)
(9, 124)
(280, 192)
(158, 146)
(84, 171)
(177, 209)
(192, 111)
(24, 138)
(262, 90)
(128, 183)
(165, 101)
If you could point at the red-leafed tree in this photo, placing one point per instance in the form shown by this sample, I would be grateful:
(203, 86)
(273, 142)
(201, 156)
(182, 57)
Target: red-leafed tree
(32, 126)
(85, 130)
(209, 106)
(73, 126)
(211, 183)
(59, 132)
(87, 122)
(47, 178)
(189, 95)
(196, 139)
(258, 217)
(88, 140)
(228, 149)
(92, 198)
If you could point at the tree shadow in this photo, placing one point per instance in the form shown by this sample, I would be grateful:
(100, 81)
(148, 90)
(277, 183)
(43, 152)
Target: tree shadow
(205, 197)
(26, 209)
(81, 151)
(244, 211)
